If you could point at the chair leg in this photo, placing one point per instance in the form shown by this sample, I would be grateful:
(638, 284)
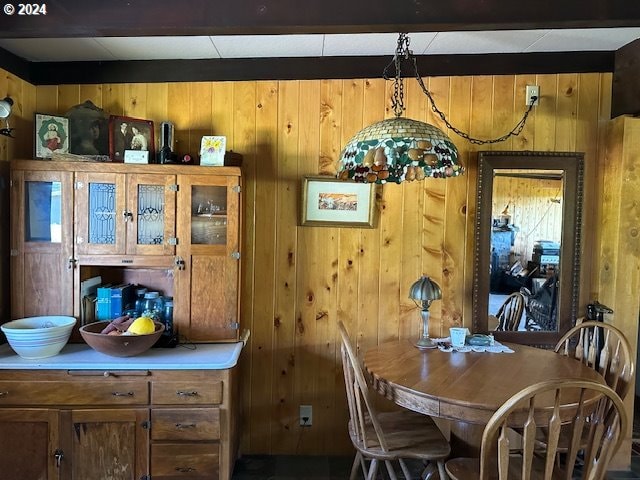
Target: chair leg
(373, 469)
(442, 471)
(405, 470)
(392, 473)
(354, 467)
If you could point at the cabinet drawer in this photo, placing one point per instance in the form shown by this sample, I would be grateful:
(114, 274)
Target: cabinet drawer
(74, 393)
(186, 393)
(185, 424)
(175, 461)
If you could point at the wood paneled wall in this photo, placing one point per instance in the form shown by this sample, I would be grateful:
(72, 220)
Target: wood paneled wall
(298, 281)
(535, 208)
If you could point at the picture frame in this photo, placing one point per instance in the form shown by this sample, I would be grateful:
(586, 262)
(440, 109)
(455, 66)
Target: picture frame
(51, 135)
(130, 134)
(212, 150)
(330, 202)
(88, 131)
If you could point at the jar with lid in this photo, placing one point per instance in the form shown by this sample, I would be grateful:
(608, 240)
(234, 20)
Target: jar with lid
(153, 305)
(168, 316)
(140, 300)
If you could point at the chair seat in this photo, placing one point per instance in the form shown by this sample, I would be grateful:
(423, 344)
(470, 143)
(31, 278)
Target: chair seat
(408, 435)
(469, 469)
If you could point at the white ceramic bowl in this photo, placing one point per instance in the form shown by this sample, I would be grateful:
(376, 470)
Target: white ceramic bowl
(38, 337)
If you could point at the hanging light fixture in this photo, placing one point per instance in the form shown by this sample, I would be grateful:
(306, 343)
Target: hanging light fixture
(401, 149)
(5, 110)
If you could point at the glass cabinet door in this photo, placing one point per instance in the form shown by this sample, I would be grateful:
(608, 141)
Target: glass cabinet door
(100, 213)
(208, 215)
(132, 214)
(151, 214)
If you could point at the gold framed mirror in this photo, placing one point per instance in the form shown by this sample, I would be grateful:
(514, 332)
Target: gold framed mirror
(527, 245)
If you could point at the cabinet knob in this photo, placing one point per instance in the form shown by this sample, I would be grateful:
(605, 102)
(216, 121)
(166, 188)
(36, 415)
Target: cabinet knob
(127, 215)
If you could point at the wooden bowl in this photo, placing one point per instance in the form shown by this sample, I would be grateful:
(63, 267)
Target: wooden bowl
(119, 345)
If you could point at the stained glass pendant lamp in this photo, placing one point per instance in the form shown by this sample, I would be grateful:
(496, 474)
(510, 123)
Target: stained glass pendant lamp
(399, 149)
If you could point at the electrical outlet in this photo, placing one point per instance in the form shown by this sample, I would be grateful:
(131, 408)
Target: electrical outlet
(306, 415)
(532, 91)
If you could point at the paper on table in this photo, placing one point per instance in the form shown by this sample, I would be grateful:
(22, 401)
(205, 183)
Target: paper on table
(444, 344)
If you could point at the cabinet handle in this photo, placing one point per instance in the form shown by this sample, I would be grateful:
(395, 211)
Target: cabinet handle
(185, 469)
(179, 263)
(71, 263)
(4, 394)
(122, 394)
(58, 455)
(186, 394)
(127, 215)
(185, 425)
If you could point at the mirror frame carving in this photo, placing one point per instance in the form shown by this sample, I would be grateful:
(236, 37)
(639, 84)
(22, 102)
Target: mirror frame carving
(572, 164)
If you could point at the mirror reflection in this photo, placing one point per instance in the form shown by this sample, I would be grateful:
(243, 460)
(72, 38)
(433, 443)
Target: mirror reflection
(526, 234)
(527, 245)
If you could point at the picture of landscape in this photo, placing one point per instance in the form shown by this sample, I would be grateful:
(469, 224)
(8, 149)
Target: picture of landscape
(338, 201)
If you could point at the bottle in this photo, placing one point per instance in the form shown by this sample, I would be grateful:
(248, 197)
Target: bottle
(140, 300)
(168, 316)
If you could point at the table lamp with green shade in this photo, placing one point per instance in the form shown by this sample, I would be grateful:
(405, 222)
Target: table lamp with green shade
(423, 292)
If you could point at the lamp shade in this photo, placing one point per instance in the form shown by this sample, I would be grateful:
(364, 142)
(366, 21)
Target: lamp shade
(396, 150)
(425, 291)
(5, 107)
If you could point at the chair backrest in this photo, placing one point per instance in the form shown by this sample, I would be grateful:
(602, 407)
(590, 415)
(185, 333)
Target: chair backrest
(593, 411)
(361, 408)
(604, 348)
(510, 312)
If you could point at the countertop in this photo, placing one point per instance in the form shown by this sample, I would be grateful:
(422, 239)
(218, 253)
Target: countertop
(201, 356)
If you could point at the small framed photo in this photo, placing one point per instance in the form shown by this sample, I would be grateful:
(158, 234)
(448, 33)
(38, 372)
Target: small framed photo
(327, 201)
(212, 149)
(52, 135)
(130, 134)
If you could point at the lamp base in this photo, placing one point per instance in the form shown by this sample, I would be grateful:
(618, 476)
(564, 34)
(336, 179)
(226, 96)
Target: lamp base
(425, 343)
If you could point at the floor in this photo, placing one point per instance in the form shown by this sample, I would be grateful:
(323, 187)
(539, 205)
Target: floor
(286, 467)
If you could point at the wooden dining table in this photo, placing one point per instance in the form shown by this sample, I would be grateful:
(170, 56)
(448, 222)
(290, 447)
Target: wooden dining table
(466, 388)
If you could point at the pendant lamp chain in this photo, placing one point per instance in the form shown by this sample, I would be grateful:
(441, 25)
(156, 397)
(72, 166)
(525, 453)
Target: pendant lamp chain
(397, 101)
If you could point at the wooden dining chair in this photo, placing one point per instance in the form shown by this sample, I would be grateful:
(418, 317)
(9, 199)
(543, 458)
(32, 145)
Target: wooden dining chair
(604, 348)
(594, 411)
(510, 313)
(386, 436)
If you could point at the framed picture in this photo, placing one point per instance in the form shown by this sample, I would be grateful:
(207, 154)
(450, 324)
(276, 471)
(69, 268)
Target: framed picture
(130, 134)
(88, 130)
(327, 201)
(52, 135)
(212, 149)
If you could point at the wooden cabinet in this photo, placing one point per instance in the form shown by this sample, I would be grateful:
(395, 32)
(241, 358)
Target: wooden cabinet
(171, 228)
(29, 443)
(81, 425)
(41, 243)
(104, 443)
